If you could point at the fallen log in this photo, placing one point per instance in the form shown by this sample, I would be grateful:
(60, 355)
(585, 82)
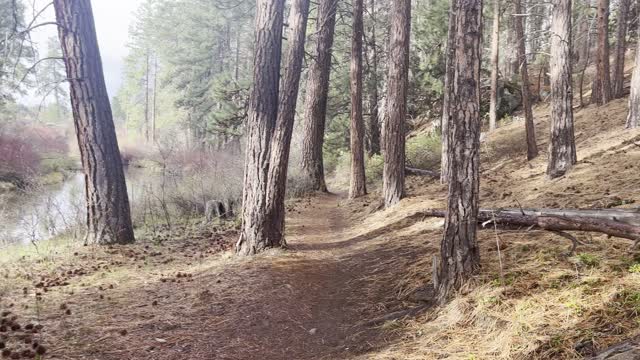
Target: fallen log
(622, 223)
(421, 172)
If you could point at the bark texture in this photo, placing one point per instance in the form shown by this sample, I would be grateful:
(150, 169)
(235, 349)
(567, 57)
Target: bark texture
(633, 118)
(601, 89)
(459, 252)
(262, 116)
(357, 186)
(448, 89)
(315, 106)
(398, 81)
(562, 146)
(495, 57)
(281, 144)
(621, 48)
(108, 211)
(372, 135)
(532, 147)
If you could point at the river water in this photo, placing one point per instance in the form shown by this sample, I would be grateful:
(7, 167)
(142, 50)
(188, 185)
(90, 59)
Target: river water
(42, 212)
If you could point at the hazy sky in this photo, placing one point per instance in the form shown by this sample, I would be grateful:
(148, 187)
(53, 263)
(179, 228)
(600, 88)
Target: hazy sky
(113, 18)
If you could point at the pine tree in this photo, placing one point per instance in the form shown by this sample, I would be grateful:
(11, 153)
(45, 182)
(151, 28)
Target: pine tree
(601, 89)
(357, 185)
(394, 127)
(459, 252)
(263, 113)
(495, 57)
(532, 147)
(621, 48)
(316, 99)
(562, 147)
(281, 145)
(108, 212)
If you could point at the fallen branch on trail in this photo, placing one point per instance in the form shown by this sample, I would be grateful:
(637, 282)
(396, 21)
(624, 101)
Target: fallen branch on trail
(421, 172)
(622, 223)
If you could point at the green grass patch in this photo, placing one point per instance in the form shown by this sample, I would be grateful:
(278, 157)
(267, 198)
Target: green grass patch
(588, 260)
(424, 151)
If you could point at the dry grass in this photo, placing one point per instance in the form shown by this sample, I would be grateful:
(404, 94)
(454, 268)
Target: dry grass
(548, 305)
(83, 295)
(351, 263)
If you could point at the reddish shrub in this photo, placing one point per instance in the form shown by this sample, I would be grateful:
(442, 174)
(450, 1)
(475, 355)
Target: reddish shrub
(21, 149)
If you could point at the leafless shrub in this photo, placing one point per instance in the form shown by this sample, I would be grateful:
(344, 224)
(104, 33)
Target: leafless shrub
(179, 184)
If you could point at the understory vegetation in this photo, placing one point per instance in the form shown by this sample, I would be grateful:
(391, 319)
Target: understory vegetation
(331, 179)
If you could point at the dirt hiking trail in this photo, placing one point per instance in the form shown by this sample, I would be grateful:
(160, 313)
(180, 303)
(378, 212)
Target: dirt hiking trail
(322, 298)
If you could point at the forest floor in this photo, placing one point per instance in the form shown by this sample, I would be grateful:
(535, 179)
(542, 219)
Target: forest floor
(192, 299)
(351, 271)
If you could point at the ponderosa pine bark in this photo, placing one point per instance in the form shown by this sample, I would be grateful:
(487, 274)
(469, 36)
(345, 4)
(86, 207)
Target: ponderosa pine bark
(358, 183)
(372, 134)
(315, 106)
(459, 252)
(448, 80)
(621, 48)
(108, 211)
(530, 131)
(262, 117)
(495, 57)
(562, 146)
(398, 83)
(281, 144)
(601, 89)
(633, 118)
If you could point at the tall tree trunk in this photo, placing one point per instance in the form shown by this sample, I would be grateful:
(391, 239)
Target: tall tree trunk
(155, 98)
(562, 146)
(495, 57)
(537, 10)
(448, 89)
(147, 126)
(581, 48)
(108, 212)
(281, 146)
(532, 147)
(633, 118)
(621, 48)
(358, 183)
(398, 82)
(601, 89)
(373, 125)
(585, 51)
(262, 117)
(511, 57)
(315, 106)
(460, 255)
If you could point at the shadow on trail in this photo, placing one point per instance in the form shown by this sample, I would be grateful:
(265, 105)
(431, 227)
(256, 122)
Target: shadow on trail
(368, 236)
(300, 304)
